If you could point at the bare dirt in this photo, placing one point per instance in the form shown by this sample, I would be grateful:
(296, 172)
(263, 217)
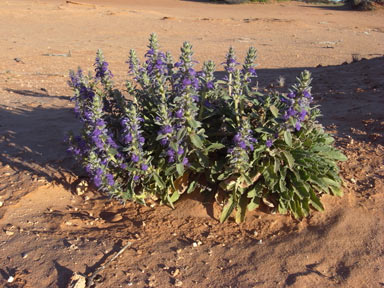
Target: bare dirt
(47, 232)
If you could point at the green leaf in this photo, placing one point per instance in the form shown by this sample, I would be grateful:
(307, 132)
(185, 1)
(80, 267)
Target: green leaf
(241, 209)
(180, 169)
(274, 110)
(335, 154)
(175, 196)
(276, 166)
(289, 158)
(282, 209)
(315, 201)
(282, 185)
(329, 140)
(330, 182)
(159, 181)
(195, 139)
(336, 191)
(203, 159)
(193, 123)
(288, 138)
(191, 187)
(227, 210)
(215, 146)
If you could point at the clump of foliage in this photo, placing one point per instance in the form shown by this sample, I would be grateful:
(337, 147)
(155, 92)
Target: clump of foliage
(179, 130)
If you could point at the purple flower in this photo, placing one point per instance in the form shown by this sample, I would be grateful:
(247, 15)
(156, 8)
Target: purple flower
(97, 141)
(195, 98)
(166, 129)
(180, 151)
(298, 125)
(242, 145)
(268, 143)
(291, 95)
(100, 122)
(171, 155)
(101, 69)
(179, 113)
(136, 178)
(97, 181)
(150, 52)
(252, 71)
(135, 158)
(303, 113)
(110, 179)
(128, 138)
(164, 141)
(208, 104)
(306, 94)
(185, 161)
(144, 167)
(186, 82)
(179, 64)
(210, 85)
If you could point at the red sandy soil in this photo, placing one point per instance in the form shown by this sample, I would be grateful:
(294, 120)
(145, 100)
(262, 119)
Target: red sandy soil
(47, 231)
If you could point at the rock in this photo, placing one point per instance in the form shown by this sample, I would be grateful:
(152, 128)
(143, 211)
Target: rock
(11, 279)
(82, 187)
(116, 218)
(77, 281)
(176, 272)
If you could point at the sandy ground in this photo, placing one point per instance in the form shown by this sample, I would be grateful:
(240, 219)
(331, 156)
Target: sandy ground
(47, 232)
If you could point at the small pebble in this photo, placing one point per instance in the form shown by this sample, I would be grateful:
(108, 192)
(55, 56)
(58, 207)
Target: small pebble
(1, 203)
(11, 279)
(176, 272)
(178, 283)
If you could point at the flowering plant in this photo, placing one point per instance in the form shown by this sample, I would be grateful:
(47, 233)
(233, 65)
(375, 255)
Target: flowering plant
(178, 130)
